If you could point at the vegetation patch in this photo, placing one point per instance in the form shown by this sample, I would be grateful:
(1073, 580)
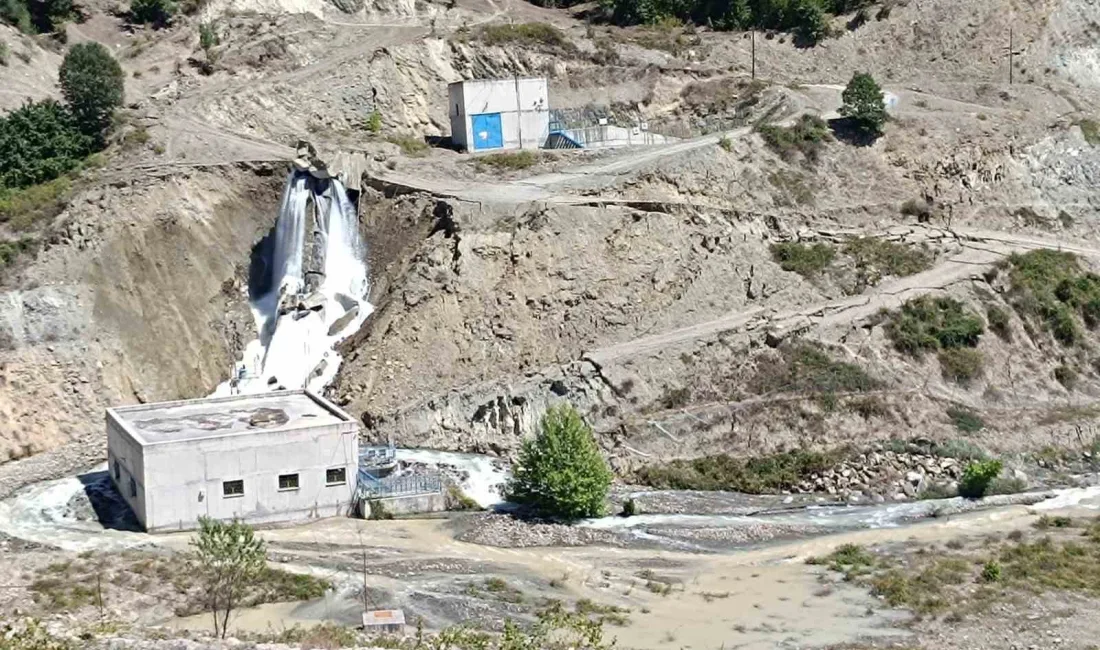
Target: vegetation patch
(804, 367)
(960, 365)
(507, 161)
(722, 96)
(1051, 289)
(807, 260)
(998, 322)
(543, 36)
(875, 258)
(757, 475)
(977, 478)
(929, 323)
(1091, 130)
(807, 137)
(965, 420)
(792, 188)
(411, 146)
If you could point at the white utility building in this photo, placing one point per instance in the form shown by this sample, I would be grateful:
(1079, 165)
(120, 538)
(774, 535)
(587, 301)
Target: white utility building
(489, 114)
(275, 457)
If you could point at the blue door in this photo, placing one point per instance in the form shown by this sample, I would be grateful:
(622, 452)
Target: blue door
(487, 131)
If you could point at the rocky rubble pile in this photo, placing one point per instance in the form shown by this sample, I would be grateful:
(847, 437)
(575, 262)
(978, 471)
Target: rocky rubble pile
(508, 532)
(881, 474)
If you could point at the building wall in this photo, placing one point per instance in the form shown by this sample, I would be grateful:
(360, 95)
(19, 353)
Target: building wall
(523, 105)
(460, 126)
(127, 453)
(184, 479)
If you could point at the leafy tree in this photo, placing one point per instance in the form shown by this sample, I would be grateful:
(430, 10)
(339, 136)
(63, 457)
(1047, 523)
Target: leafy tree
(16, 14)
(808, 20)
(39, 142)
(230, 558)
(977, 477)
(30, 16)
(561, 471)
(92, 83)
(863, 102)
(153, 12)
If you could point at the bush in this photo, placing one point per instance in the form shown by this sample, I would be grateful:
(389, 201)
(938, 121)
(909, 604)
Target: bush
(4, 53)
(863, 103)
(991, 571)
(31, 16)
(926, 323)
(965, 420)
(374, 122)
(411, 146)
(977, 477)
(998, 322)
(92, 83)
(758, 475)
(806, 260)
(541, 35)
(807, 137)
(561, 472)
(153, 12)
(807, 368)
(806, 18)
(960, 365)
(508, 160)
(1051, 287)
(918, 208)
(876, 257)
(39, 142)
(629, 508)
(1066, 376)
(1091, 130)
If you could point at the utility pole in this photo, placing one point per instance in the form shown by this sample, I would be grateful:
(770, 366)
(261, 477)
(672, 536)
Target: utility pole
(1011, 54)
(753, 37)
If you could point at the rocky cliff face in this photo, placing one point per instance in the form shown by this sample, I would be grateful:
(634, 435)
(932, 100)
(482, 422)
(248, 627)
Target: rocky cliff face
(140, 295)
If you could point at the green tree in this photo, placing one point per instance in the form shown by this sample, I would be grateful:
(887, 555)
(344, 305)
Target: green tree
(977, 477)
(153, 12)
(92, 83)
(38, 142)
(561, 471)
(230, 557)
(863, 102)
(808, 20)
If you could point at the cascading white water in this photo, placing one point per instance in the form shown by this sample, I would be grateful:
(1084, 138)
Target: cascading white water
(296, 348)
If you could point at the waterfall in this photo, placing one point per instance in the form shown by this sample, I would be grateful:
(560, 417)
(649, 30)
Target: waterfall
(298, 324)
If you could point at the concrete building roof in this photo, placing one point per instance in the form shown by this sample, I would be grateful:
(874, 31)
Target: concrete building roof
(223, 416)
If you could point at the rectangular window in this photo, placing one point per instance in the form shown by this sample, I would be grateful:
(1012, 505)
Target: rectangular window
(288, 481)
(337, 476)
(233, 488)
(133, 487)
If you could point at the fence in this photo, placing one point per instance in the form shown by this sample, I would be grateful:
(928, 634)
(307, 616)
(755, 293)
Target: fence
(377, 456)
(394, 486)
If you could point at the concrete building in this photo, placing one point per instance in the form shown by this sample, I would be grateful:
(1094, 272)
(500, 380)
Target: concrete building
(275, 457)
(489, 114)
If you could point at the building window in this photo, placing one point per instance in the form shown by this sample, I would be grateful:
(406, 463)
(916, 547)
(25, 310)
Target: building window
(118, 471)
(133, 487)
(288, 481)
(336, 476)
(233, 488)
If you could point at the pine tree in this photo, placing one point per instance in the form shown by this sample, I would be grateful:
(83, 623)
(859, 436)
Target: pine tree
(863, 102)
(92, 83)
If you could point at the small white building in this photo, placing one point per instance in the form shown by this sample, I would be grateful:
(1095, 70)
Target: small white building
(489, 114)
(275, 457)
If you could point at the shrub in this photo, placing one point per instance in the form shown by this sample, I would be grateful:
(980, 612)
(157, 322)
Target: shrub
(793, 188)
(918, 208)
(725, 143)
(561, 472)
(508, 160)
(959, 449)
(757, 475)
(991, 571)
(965, 420)
(21, 208)
(208, 40)
(374, 122)
(863, 103)
(998, 322)
(1091, 130)
(525, 34)
(4, 53)
(926, 323)
(1051, 286)
(31, 16)
(877, 257)
(807, 368)
(410, 145)
(806, 137)
(154, 12)
(629, 508)
(960, 365)
(92, 84)
(39, 142)
(977, 477)
(806, 260)
(1066, 376)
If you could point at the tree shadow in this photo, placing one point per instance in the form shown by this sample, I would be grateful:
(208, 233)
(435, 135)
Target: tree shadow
(850, 131)
(106, 504)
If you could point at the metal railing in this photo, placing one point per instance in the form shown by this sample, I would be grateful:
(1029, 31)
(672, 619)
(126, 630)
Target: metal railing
(377, 456)
(393, 486)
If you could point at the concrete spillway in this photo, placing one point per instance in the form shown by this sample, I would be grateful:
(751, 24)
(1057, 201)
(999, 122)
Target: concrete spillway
(318, 293)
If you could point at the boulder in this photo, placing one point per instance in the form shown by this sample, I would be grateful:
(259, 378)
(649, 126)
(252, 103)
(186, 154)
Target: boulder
(342, 322)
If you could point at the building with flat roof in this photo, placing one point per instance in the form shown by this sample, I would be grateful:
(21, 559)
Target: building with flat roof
(488, 114)
(282, 456)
